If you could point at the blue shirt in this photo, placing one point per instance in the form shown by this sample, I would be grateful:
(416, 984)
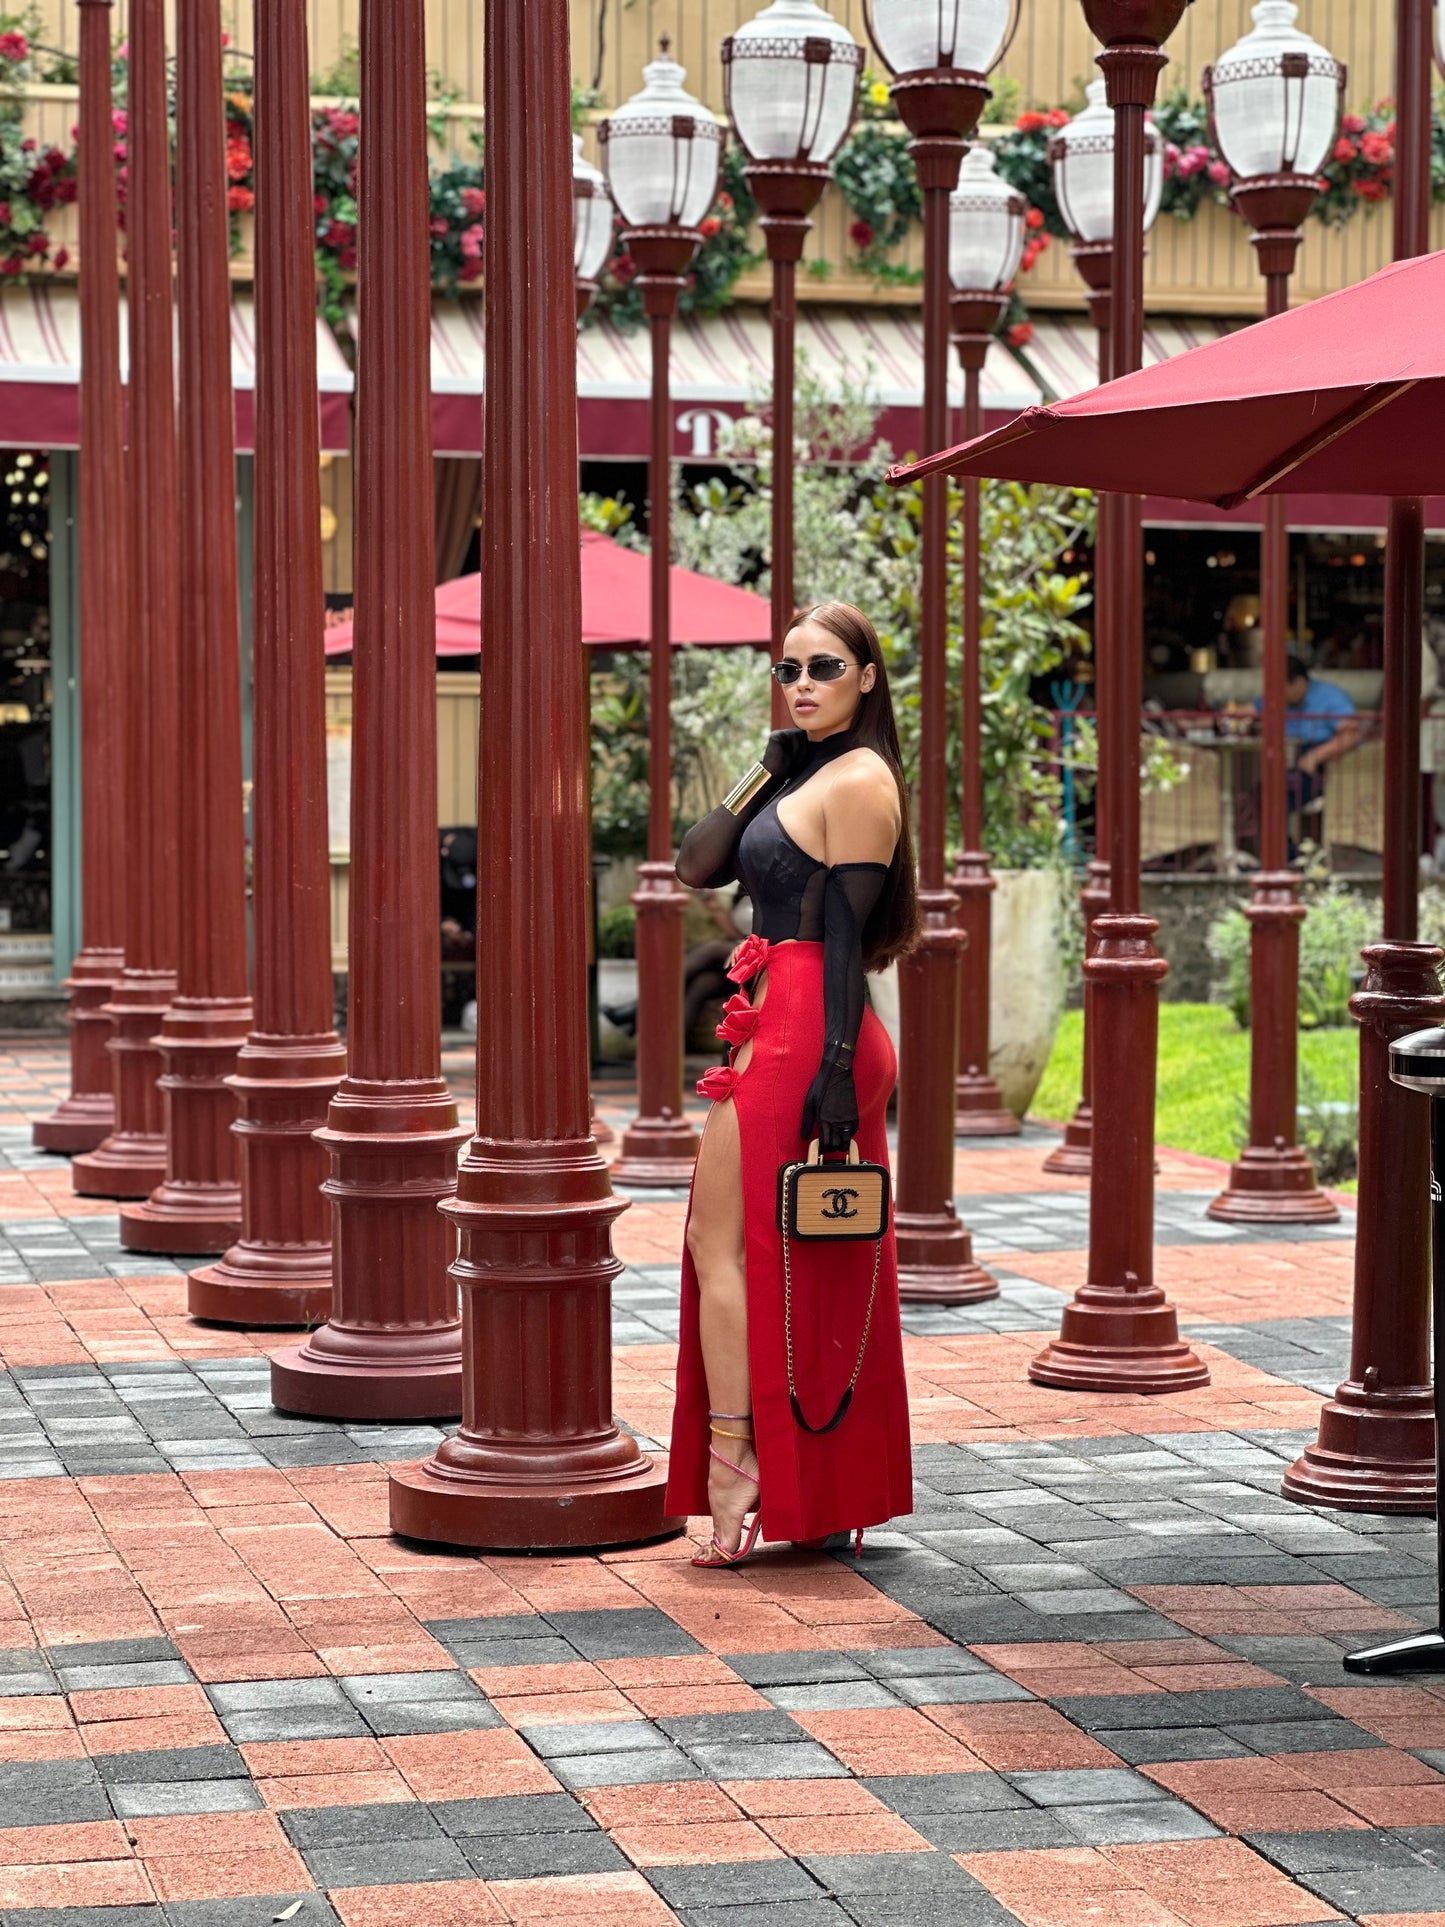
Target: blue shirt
(1316, 719)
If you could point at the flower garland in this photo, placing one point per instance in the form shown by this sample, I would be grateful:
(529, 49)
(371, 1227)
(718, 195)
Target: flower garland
(725, 252)
(33, 179)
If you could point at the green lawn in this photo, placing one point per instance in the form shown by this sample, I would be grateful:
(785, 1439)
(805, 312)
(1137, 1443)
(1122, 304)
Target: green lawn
(1203, 1074)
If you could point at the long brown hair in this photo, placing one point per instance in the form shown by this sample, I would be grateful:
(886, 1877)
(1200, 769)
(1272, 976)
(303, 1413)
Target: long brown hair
(892, 928)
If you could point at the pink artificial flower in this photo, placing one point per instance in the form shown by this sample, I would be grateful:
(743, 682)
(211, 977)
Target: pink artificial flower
(718, 1083)
(474, 200)
(750, 957)
(740, 1019)
(472, 242)
(1352, 124)
(1219, 173)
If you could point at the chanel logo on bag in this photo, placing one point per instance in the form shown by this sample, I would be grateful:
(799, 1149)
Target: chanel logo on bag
(838, 1205)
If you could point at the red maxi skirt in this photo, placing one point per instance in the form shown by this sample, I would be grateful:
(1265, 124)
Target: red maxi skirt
(861, 1473)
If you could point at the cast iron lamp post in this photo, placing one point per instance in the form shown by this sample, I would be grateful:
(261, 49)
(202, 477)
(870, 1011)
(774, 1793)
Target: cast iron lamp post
(1081, 160)
(1274, 101)
(985, 242)
(1375, 1451)
(86, 1115)
(1120, 1333)
(791, 80)
(661, 151)
(939, 58)
(591, 226)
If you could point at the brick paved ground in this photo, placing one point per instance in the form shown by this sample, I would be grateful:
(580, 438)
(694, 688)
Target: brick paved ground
(1092, 1680)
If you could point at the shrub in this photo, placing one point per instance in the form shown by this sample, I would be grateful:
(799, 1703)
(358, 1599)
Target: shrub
(1337, 928)
(1329, 1129)
(617, 931)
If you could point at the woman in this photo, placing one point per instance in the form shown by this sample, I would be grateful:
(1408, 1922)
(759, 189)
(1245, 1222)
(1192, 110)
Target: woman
(818, 834)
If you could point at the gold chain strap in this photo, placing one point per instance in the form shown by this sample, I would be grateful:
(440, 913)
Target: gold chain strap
(788, 1325)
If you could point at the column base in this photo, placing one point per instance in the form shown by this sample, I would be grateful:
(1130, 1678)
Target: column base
(129, 1164)
(601, 1133)
(656, 1153)
(183, 1219)
(277, 1295)
(936, 1265)
(384, 1385)
(979, 1109)
(1372, 1454)
(442, 1503)
(1273, 1185)
(1074, 1158)
(81, 1122)
(1119, 1341)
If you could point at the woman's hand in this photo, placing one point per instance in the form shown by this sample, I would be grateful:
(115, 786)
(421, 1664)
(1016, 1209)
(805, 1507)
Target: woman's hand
(830, 1110)
(784, 753)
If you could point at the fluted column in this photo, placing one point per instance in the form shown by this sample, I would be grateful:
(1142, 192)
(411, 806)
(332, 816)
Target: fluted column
(392, 1346)
(84, 1118)
(279, 1270)
(197, 1207)
(132, 1160)
(540, 1460)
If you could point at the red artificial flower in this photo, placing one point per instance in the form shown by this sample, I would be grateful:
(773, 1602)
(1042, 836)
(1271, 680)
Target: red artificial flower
(1372, 190)
(62, 259)
(1343, 150)
(4, 214)
(346, 259)
(66, 191)
(238, 157)
(1352, 124)
(470, 271)
(718, 1083)
(1031, 122)
(740, 1019)
(1378, 151)
(1029, 256)
(474, 201)
(339, 234)
(1034, 217)
(711, 226)
(1021, 334)
(438, 227)
(14, 46)
(750, 957)
(37, 243)
(319, 203)
(1057, 117)
(623, 268)
(240, 200)
(861, 235)
(12, 264)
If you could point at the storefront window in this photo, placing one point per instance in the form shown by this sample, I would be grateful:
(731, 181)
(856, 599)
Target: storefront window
(25, 693)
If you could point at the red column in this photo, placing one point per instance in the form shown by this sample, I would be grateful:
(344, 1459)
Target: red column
(979, 1111)
(935, 1249)
(1376, 1446)
(198, 1205)
(133, 1158)
(85, 1117)
(539, 1460)
(659, 1146)
(1120, 1333)
(279, 1271)
(1073, 1158)
(392, 1346)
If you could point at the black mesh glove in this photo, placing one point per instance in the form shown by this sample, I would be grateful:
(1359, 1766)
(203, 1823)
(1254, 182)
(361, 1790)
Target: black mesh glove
(709, 855)
(830, 1110)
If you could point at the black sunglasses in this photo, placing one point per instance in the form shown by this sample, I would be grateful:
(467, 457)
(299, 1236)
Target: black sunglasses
(820, 669)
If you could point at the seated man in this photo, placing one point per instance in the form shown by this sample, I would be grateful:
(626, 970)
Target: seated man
(1322, 723)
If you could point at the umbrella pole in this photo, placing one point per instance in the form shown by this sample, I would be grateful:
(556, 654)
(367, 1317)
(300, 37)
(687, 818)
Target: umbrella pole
(132, 1160)
(1120, 1333)
(979, 1109)
(279, 1270)
(1375, 1451)
(1074, 1157)
(86, 1114)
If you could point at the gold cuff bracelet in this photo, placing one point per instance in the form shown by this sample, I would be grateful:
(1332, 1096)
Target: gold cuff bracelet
(746, 788)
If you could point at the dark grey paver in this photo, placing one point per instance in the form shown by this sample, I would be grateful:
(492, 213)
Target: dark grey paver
(803, 1760)
(649, 1766)
(139, 1801)
(1014, 1830)
(1130, 1823)
(911, 1793)
(760, 1727)
(639, 1632)
(255, 1910)
(513, 1813)
(388, 1863)
(308, 1827)
(1416, 1889)
(733, 1883)
(1085, 1786)
(534, 1856)
(1337, 1850)
(797, 1669)
(172, 1763)
(564, 1740)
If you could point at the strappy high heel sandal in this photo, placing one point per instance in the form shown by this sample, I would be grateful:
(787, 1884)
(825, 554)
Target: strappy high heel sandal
(718, 1554)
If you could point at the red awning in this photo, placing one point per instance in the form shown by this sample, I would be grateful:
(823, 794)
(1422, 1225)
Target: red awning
(1344, 396)
(616, 609)
(40, 370)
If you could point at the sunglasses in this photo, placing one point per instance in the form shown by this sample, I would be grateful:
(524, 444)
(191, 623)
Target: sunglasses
(820, 669)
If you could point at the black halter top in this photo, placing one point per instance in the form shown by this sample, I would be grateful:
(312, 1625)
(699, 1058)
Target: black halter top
(784, 883)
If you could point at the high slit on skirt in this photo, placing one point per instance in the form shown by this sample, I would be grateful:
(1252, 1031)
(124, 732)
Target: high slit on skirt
(861, 1473)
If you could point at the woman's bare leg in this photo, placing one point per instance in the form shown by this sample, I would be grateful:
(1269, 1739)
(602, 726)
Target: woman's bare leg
(715, 1243)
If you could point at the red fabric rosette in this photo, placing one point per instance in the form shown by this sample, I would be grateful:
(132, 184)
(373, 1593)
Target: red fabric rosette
(740, 1020)
(752, 956)
(719, 1082)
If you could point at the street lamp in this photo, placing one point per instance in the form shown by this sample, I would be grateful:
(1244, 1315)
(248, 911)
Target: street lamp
(1375, 1450)
(985, 242)
(939, 56)
(661, 151)
(1274, 100)
(1120, 1333)
(591, 226)
(1081, 160)
(791, 80)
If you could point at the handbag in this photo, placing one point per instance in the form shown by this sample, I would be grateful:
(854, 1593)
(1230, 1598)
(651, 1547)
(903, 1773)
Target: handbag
(834, 1204)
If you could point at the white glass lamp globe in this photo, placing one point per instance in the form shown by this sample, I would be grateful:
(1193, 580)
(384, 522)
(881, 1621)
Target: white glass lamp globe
(917, 36)
(791, 75)
(661, 150)
(1275, 97)
(591, 216)
(1082, 157)
(985, 227)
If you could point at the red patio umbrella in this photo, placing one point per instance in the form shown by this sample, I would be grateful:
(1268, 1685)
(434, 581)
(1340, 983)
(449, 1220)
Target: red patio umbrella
(615, 607)
(1343, 396)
